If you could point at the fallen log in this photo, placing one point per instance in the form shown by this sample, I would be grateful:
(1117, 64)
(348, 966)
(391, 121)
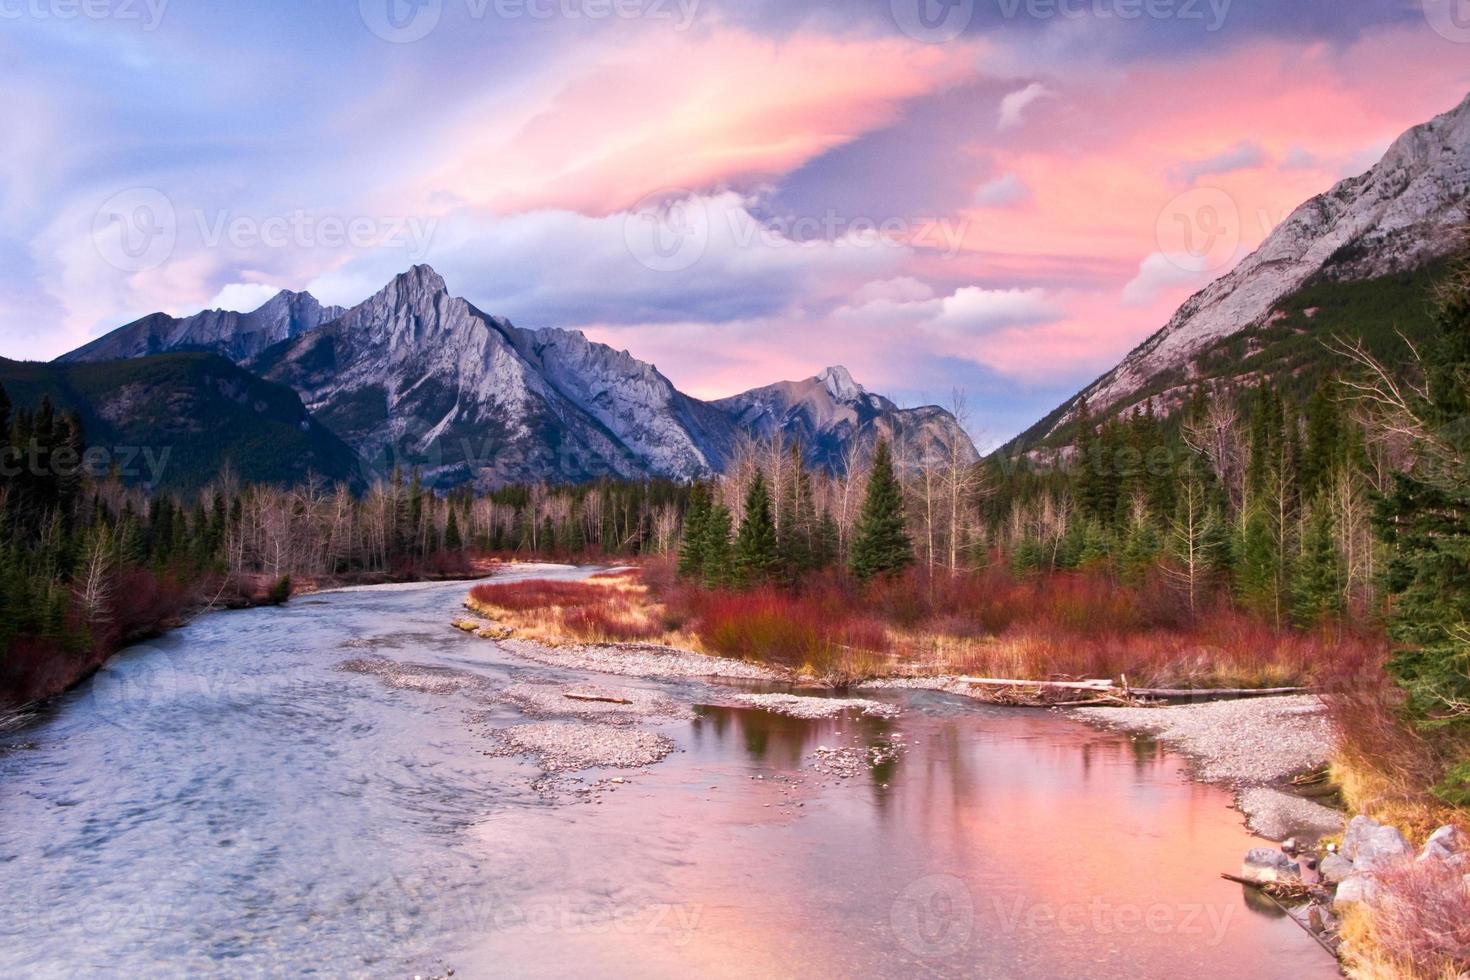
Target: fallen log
(1177, 693)
(1097, 685)
(597, 697)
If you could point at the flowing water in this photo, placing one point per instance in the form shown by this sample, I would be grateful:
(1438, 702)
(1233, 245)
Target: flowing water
(225, 801)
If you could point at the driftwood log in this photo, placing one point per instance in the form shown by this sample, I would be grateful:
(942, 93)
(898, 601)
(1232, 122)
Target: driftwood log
(1103, 691)
(597, 697)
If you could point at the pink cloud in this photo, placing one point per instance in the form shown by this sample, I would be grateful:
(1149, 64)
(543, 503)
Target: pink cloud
(688, 112)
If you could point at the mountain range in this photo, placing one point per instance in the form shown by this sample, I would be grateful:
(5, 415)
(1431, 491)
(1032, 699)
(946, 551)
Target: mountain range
(416, 377)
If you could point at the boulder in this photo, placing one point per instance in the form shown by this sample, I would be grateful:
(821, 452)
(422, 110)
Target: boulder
(1379, 848)
(1357, 829)
(1355, 889)
(1444, 844)
(1335, 868)
(1266, 864)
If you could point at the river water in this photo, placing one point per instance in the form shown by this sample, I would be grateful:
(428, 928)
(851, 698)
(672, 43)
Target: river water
(224, 801)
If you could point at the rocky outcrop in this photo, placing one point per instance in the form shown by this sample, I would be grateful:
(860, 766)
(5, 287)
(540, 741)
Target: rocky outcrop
(237, 336)
(1405, 211)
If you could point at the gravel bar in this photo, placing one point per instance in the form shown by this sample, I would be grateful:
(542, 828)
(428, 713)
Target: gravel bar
(544, 699)
(1242, 742)
(640, 660)
(563, 746)
(808, 707)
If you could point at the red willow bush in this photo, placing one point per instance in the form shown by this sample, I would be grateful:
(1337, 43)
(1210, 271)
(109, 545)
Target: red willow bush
(1082, 623)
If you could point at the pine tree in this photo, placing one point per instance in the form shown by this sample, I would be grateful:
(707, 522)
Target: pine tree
(757, 553)
(718, 571)
(881, 545)
(452, 539)
(1317, 580)
(696, 526)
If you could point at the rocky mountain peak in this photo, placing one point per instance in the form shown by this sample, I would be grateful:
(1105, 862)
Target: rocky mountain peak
(839, 383)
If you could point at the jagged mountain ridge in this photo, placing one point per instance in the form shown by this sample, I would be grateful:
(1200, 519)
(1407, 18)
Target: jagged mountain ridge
(236, 336)
(1403, 213)
(414, 376)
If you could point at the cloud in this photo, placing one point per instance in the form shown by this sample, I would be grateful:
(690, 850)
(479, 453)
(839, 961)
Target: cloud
(1004, 191)
(1241, 156)
(698, 112)
(1016, 103)
(1159, 274)
(242, 297)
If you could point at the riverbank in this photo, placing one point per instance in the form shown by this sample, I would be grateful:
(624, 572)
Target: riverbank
(49, 673)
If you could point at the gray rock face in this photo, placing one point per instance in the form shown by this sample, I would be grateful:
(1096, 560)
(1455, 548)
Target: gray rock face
(1355, 889)
(1445, 844)
(1398, 215)
(831, 415)
(1380, 848)
(1335, 868)
(237, 336)
(1268, 864)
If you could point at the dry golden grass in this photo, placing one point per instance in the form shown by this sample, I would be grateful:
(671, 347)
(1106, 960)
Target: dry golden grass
(607, 608)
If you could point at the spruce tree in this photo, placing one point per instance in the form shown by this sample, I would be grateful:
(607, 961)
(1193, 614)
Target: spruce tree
(881, 545)
(452, 539)
(696, 521)
(717, 568)
(1317, 580)
(757, 554)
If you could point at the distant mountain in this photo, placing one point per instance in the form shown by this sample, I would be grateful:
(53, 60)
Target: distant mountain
(828, 414)
(237, 336)
(175, 420)
(1384, 227)
(416, 377)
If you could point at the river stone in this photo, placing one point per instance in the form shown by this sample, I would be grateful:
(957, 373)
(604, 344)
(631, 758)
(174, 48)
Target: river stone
(1444, 844)
(1357, 829)
(1381, 847)
(1335, 868)
(1268, 864)
(1354, 889)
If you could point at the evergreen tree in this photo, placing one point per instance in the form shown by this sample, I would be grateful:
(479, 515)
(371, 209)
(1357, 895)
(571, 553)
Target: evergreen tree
(757, 554)
(452, 539)
(1317, 580)
(696, 528)
(718, 570)
(881, 545)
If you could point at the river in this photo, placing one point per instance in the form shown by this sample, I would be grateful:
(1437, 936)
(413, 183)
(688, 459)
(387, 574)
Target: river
(223, 800)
